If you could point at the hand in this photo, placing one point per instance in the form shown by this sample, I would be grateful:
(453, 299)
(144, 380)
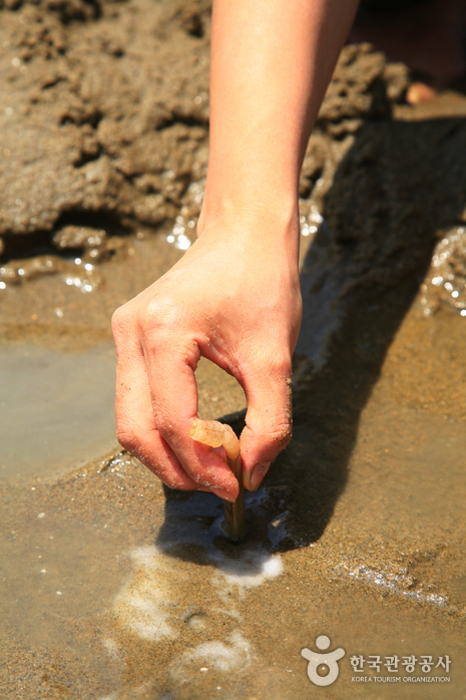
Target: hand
(233, 298)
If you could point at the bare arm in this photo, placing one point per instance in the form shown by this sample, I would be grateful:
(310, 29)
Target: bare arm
(271, 62)
(234, 297)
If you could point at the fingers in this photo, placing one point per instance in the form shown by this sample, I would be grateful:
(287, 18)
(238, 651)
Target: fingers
(136, 429)
(268, 419)
(173, 391)
(156, 402)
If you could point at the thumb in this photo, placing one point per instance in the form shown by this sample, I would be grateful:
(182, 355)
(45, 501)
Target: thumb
(268, 421)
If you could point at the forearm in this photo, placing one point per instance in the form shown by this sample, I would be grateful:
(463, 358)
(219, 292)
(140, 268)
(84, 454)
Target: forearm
(271, 61)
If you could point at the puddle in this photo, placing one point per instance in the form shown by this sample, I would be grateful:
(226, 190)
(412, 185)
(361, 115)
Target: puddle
(54, 405)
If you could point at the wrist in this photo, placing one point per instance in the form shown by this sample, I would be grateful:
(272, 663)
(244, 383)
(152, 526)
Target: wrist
(275, 217)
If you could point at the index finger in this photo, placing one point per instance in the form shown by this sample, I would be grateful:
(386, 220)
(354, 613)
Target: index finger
(174, 397)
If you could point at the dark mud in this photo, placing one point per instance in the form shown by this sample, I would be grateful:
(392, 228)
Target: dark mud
(112, 587)
(104, 125)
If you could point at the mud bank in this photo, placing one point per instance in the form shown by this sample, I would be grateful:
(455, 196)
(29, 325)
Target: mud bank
(114, 588)
(104, 124)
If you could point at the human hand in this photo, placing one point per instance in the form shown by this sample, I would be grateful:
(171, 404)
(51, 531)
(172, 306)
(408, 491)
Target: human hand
(233, 298)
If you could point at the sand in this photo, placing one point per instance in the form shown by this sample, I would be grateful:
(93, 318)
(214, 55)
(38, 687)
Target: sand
(114, 587)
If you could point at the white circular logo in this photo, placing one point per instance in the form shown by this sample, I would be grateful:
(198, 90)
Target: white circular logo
(330, 660)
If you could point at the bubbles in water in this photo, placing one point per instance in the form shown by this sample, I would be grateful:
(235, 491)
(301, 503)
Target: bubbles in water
(310, 224)
(196, 620)
(392, 579)
(229, 655)
(252, 569)
(448, 283)
(143, 605)
(183, 233)
(86, 282)
(196, 192)
(178, 235)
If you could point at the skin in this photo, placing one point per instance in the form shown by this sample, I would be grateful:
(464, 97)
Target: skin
(234, 297)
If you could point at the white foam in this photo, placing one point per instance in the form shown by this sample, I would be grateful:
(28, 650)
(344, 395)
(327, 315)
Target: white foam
(226, 656)
(146, 556)
(145, 604)
(142, 606)
(111, 646)
(145, 618)
(251, 570)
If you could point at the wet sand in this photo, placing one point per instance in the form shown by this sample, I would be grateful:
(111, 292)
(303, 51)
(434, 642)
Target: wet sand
(113, 587)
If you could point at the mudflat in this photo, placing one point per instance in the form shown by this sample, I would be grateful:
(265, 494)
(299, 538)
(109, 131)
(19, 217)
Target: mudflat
(113, 587)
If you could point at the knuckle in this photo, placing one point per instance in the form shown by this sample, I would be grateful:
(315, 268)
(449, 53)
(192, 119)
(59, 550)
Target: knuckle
(271, 365)
(169, 477)
(156, 316)
(127, 437)
(166, 429)
(280, 434)
(176, 484)
(280, 365)
(148, 318)
(120, 322)
(284, 433)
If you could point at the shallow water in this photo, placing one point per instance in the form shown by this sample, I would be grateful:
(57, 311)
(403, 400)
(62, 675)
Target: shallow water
(53, 405)
(113, 588)
(121, 601)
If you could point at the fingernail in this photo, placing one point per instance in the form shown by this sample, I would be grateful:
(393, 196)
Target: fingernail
(223, 494)
(258, 472)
